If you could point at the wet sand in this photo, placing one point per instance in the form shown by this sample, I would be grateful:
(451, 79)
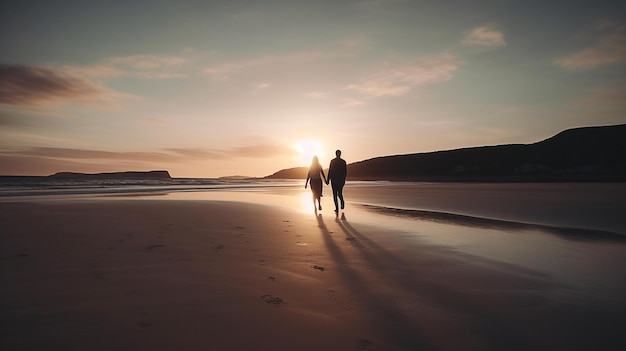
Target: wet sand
(246, 270)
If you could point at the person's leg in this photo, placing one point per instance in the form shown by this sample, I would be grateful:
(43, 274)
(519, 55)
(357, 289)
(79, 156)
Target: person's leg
(340, 194)
(335, 192)
(316, 188)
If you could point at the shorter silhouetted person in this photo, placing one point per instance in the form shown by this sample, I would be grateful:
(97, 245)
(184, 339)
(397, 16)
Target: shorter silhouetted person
(337, 173)
(315, 176)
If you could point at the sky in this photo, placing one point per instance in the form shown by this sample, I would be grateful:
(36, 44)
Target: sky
(224, 88)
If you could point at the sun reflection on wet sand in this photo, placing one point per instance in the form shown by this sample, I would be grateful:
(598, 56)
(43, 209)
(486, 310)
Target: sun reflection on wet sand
(298, 200)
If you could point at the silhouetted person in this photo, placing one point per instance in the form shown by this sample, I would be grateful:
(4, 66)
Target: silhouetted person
(337, 173)
(315, 175)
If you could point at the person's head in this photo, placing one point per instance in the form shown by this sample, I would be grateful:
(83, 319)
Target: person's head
(338, 153)
(315, 160)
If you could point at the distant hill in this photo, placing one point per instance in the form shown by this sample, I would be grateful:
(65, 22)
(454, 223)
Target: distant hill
(236, 177)
(581, 154)
(290, 173)
(114, 175)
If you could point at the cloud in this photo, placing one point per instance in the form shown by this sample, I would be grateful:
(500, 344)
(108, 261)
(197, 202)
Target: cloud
(148, 61)
(399, 81)
(48, 160)
(25, 165)
(225, 71)
(22, 85)
(95, 71)
(197, 153)
(86, 154)
(484, 37)
(317, 94)
(608, 48)
(352, 103)
(9, 120)
(603, 98)
(265, 150)
(261, 151)
(138, 66)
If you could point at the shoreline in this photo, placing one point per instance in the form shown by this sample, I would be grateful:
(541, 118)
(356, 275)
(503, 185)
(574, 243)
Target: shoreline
(259, 270)
(583, 206)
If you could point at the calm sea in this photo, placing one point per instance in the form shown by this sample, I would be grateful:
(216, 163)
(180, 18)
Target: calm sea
(594, 206)
(40, 186)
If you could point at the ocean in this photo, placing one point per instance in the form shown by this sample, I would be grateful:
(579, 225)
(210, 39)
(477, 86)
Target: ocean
(587, 206)
(14, 186)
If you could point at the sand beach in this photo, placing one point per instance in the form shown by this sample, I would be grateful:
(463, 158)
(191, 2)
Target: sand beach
(261, 270)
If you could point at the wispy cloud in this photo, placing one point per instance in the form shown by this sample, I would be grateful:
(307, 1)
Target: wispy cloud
(170, 155)
(22, 85)
(484, 37)
(138, 66)
(262, 85)
(260, 151)
(86, 154)
(197, 153)
(400, 80)
(11, 164)
(603, 98)
(352, 103)
(48, 160)
(609, 47)
(317, 94)
(10, 120)
(225, 71)
(148, 61)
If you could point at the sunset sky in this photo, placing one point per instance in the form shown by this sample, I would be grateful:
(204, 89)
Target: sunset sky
(219, 88)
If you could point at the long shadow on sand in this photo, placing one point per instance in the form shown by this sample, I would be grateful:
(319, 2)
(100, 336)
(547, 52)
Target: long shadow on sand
(495, 308)
(396, 326)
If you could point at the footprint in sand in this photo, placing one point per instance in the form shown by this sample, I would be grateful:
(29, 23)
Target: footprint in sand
(353, 241)
(116, 244)
(363, 344)
(14, 256)
(319, 268)
(219, 247)
(152, 247)
(144, 325)
(274, 300)
(98, 275)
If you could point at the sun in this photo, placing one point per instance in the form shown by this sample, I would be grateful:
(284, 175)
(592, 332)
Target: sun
(306, 149)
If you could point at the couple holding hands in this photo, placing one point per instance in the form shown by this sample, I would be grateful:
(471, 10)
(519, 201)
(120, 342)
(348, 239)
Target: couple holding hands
(337, 172)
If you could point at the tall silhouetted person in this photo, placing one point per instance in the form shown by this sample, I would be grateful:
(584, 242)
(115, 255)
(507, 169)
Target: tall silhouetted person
(315, 175)
(337, 173)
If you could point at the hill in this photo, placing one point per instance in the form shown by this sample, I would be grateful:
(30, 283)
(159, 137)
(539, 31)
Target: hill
(290, 173)
(581, 154)
(114, 175)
